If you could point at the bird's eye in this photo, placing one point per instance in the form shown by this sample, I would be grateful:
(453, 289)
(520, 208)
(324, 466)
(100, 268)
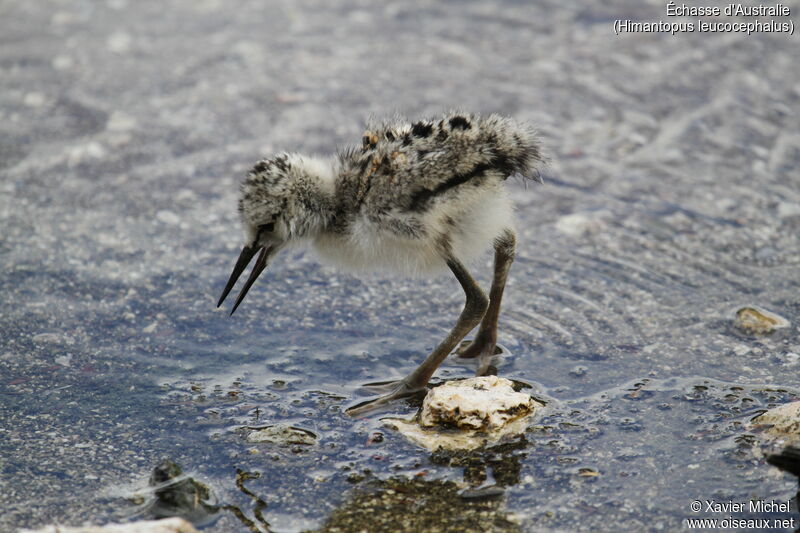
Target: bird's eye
(269, 228)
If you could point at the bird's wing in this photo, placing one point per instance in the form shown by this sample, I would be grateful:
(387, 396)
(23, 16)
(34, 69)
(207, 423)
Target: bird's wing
(417, 163)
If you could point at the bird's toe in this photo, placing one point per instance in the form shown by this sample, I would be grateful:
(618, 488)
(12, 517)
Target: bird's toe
(477, 348)
(485, 353)
(384, 387)
(395, 390)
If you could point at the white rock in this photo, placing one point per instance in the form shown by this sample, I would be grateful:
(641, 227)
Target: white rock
(755, 320)
(85, 152)
(121, 121)
(486, 403)
(167, 525)
(468, 414)
(782, 422)
(119, 42)
(790, 358)
(34, 99)
(580, 224)
(55, 338)
(168, 217)
(786, 210)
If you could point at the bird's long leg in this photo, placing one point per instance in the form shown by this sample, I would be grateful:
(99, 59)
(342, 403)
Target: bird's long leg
(474, 309)
(483, 346)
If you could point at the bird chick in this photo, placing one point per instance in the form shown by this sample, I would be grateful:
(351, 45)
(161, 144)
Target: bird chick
(414, 198)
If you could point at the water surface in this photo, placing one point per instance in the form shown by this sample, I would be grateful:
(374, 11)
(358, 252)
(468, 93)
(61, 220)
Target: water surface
(672, 198)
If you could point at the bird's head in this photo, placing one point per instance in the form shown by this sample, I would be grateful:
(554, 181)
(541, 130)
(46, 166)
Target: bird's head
(282, 200)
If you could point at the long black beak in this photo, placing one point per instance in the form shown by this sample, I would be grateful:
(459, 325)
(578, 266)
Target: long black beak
(244, 259)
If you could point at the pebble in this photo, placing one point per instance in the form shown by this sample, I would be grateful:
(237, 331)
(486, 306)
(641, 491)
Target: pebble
(121, 121)
(282, 434)
(119, 42)
(468, 414)
(482, 403)
(168, 217)
(579, 224)
(754, 320)
(34, 99)
(782, 422)
(167, 525)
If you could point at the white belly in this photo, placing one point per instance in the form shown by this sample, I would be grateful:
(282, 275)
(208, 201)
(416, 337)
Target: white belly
(368, 247)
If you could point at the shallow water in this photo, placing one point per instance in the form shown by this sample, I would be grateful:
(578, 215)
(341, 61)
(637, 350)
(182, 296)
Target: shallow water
(673, 198)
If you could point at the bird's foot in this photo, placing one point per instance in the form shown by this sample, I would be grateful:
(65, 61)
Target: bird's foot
(479, 347)
(484, 350)
(394, 390)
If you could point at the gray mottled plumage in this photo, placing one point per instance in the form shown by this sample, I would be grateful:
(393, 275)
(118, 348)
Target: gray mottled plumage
(405, 168)
(413, 197)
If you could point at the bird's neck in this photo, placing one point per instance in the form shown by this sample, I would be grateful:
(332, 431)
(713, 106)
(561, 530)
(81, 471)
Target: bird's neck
(316, 196)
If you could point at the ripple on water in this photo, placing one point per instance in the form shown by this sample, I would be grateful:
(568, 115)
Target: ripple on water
(598, 447)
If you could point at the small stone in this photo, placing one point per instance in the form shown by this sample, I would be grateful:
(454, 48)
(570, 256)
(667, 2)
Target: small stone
(578, 371)
(790, 358)
(119, 42)
(177, 494)
(62, 62)
(54, 338)
(168, 217)
(282, 434)
(355, 477)
(741, 349)
(167, 525)
(579, 224)
(757, 321)
(483, 493)
(787, 209)
(83, 153)
(120, 121)
(34, 99)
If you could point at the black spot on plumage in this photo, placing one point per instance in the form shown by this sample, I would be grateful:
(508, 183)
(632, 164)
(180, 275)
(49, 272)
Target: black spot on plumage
(261, 166)
(442, 135)
(389, 136)
(385, 164)
(419, 199)
(421, 129)
(459, 122)
(281, 163)
(369, 140)
(406, 139)
(502, 162)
